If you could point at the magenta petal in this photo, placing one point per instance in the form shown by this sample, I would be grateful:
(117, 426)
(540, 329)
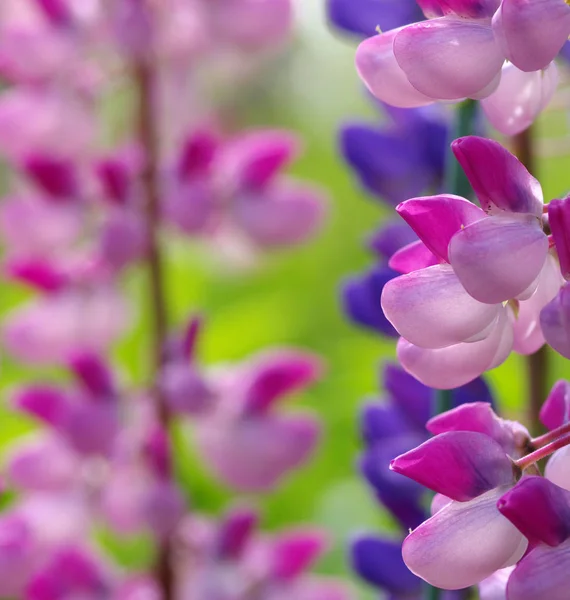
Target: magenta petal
(543, 573)
(431, 309)
(463, 543)
(379, 70)
(448, 58)
(454, 366)
(480, 417)
(412, 257)
(502, 183)
(539, 509)
(458, 464)
(472, 9)
(528, 333)
(520, 98)
(556, 409)
(436, 219)
(532, 32)
(555, 322)
(295, 552)
(496, 259)
(559, 221)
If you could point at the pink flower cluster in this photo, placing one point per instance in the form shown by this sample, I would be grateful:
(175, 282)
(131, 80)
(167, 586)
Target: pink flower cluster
(497, 51)
(89, 202)
(481, 281)
(496, 521)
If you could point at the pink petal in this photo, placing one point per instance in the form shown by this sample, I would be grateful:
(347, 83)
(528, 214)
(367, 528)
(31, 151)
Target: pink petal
(379, 70)
(555, 322)
(520, 98)
(412, 257)
(539, 509)
(431, 309)
(436, 219)
(295, 552)
(480, 417)
(454, 366)
(543, 573)
(528, 334)
(463, 543)
(556, 409)
(498, 258)
(559, 222)
(499, 179)
(530, 32)
(287, 214)
(458, 464)
(448, 58)
(494, 587)
(557, 469)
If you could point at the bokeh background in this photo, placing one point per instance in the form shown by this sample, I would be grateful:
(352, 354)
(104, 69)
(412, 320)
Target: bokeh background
(292, 299)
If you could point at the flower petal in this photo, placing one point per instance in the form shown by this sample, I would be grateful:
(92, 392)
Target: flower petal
(448, 58)
(543, 573)
(379, 562)
(528, 334)
(480, 417)
(559, 222)
(502, 183)
(436, 219)
(557, 468)
(431, 309)
(556, 409)
(451, 367)
(379, 70)
(555, 322)
(458, 464)
(413, 257)
(539, 509)
(520, 98)
(497, 259)
(463, 543)
(494, 587)
(531, 32)
(470, 9)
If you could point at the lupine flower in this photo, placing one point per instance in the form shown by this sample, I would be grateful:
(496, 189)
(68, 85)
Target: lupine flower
(401, 159)
(472, 40)
(236, 189)
(487, 257)
(246, 441)
(471, 449)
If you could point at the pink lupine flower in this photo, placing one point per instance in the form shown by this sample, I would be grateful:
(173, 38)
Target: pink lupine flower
(494, 587)
(246, 442)
(467, 540)
(452, 314)
(51, 328)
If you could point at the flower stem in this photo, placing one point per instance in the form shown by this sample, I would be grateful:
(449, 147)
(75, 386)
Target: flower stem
(148, 137)
(539, 442)
(537, 363)
(547, 450)
(456, 181)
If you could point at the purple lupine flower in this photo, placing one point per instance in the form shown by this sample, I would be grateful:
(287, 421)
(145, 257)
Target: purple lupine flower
(480, 252)
(364, 17)
(245, 440)
(401, 159)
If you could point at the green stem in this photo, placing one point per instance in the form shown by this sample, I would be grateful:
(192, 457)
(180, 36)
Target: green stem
(455, 180)
(455, 183)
